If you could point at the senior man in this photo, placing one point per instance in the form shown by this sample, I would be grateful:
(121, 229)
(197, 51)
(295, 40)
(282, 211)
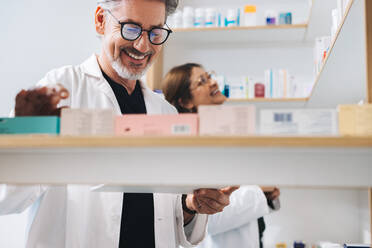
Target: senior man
(132, 32)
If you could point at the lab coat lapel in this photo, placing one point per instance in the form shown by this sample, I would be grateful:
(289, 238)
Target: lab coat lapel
(91, 67)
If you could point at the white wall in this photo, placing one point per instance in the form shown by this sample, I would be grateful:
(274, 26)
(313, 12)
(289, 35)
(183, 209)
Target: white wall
(314, 215)
(39, 35)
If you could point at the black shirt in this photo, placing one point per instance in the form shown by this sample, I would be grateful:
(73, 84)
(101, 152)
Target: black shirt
(137, 219)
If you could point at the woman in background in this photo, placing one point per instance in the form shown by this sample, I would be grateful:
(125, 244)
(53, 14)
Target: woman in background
(240, 224)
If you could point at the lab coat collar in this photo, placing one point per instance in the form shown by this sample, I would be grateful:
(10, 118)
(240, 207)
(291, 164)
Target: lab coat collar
(92, 68)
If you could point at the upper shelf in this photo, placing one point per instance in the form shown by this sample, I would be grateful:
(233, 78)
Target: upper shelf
(271, 102)
(275, 33)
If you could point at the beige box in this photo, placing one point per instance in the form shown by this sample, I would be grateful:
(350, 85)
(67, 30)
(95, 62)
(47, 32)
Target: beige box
(355, 120)
(76, 122)
(222, 120)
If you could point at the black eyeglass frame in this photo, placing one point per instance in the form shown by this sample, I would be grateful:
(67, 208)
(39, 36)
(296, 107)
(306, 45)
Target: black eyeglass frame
(169, 31)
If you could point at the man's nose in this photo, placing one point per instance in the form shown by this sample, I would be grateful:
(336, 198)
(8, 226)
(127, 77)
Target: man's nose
(142, 44)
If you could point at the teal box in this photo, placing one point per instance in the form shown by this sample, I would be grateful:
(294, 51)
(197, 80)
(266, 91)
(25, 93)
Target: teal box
(30, 125)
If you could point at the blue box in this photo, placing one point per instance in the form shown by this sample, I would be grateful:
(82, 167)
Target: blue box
(30, 125)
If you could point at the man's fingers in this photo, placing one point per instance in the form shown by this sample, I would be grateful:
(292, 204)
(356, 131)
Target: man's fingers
(229, 190)
(206, 208)
(218, 207)
(213, 194)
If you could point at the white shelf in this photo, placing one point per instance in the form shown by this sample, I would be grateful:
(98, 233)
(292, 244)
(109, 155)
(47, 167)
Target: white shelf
(271, 102)
(182, 164)
(342, 79)
(277, 33)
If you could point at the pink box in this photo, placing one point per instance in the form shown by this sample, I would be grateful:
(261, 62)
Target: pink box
(222, 120)
(155, 125)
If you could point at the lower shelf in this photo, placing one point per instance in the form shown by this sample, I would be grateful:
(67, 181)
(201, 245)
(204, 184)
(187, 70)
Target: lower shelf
(182, 164)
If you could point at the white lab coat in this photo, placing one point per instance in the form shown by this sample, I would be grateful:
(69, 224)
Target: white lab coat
(73, 216)
(236, 225)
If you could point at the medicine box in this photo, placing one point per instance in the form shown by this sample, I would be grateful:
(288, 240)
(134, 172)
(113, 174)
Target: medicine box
(355, 119)
(155, 125)
(77, 122)
(308, 122)
(30, 125)
(222, 120)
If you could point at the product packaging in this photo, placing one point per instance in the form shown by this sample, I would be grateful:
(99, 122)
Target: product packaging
(188, 17)
(250, 15)
(156, 125)
(285, 18)
(30, 125)
(199, 18)
(270, 17)
(355, 120)
(227, 120)
(87, 122)
(313, 122)
(210, 17)
(231, 18)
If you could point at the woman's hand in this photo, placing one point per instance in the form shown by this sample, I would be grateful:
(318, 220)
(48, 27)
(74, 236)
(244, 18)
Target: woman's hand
(41, 101)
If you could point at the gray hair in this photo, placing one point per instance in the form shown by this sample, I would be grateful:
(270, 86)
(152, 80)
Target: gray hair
(170, 5)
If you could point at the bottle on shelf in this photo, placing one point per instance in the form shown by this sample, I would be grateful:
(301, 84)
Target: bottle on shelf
(270, 17)
(199, 18)
(188, 17)
(250, 15)
(210, 17)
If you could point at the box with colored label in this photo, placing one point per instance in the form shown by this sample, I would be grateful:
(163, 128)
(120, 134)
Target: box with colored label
(30, 125)
(157, 125)
(292, 122)
(222, 120)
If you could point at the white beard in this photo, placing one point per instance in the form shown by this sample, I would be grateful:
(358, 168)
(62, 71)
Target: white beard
(123, 72)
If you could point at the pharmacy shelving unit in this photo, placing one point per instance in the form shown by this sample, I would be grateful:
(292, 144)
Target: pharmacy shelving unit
(317, 24)
(170, 164)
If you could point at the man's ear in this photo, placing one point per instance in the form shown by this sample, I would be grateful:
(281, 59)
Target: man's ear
(100, 20)
(187, 105)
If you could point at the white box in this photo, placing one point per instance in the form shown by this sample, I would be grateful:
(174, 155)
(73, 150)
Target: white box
(317, 122)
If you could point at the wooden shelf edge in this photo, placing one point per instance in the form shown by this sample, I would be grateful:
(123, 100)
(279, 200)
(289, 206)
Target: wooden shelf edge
(264, 27)
(331, 47)
(268, 100)
(42, 141)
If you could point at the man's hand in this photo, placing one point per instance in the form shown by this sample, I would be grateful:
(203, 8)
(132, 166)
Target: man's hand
(41, 101)
(209, 201)
(271, 193)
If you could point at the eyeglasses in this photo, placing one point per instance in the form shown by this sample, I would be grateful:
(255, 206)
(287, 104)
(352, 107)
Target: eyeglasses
(204, 79)
(132, 31)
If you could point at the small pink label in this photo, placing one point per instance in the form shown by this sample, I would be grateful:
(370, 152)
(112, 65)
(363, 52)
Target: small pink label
(157, 125)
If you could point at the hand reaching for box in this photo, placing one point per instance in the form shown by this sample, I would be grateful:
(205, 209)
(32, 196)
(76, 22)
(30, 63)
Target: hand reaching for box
(40, 101)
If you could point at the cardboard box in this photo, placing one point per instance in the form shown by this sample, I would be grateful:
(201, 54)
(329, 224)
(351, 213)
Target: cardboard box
(87, 122)
(227, 120)
(155, 125)
(314, 122)
(30, 125)
(355, 120)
